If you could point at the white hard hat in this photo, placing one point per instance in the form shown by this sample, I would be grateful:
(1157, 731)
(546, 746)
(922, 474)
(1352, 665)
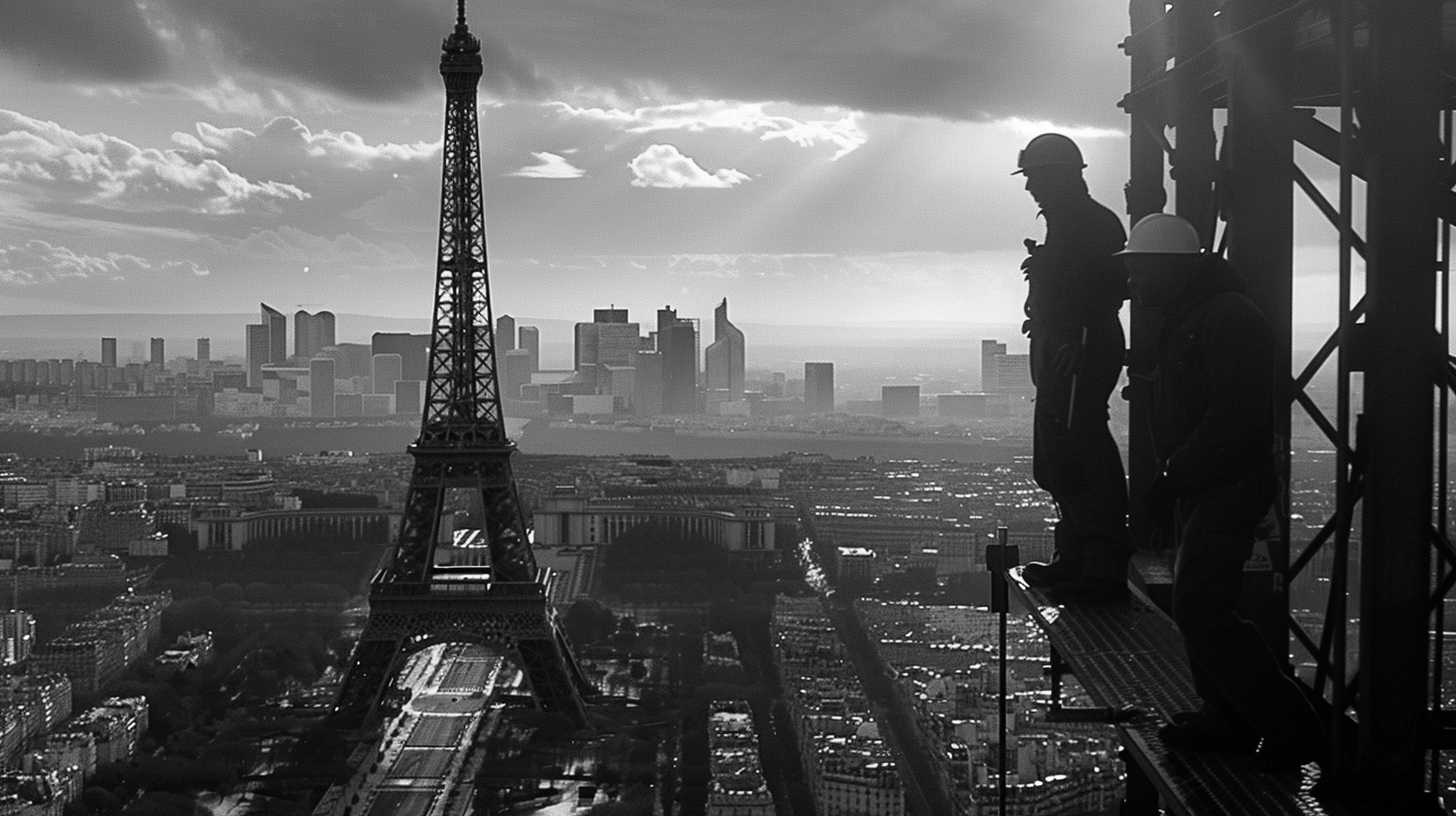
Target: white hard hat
(1163, 234)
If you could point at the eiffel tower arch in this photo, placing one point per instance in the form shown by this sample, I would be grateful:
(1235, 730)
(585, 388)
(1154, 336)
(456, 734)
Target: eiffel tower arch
(462, 447)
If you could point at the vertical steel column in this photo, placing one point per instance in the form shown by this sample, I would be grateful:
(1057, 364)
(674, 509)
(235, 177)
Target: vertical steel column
(1399, 118)
(1145, 194)
(1193, 154)
(1338, 615)
(1259, 192)
(1443, 451)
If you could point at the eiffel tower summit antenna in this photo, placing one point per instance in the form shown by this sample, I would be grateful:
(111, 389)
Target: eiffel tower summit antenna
(462, 446)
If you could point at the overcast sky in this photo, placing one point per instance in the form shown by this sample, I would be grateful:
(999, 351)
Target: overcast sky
(815, 161)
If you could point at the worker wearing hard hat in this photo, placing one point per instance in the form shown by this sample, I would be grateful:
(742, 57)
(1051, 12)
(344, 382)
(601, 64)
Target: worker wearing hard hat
(1075, 291)
(1213, 391)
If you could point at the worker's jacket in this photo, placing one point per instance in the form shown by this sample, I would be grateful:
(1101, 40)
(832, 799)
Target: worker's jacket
(1213, 389)
(1075, 282)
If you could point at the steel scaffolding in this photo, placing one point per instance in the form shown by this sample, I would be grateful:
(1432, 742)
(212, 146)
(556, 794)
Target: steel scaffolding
(1276, 72)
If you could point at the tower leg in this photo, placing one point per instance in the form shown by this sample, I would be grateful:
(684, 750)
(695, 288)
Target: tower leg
(555, 680)
(374, 665)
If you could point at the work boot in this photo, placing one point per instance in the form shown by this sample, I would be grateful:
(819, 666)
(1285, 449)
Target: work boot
(1203, 731)
(1042, 575)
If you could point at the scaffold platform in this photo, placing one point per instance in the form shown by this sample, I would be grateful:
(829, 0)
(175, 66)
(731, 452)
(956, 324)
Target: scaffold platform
(1129, 656)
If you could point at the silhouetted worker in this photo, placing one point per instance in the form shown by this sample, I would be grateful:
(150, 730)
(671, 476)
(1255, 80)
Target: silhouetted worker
(1213, 392)
(1075, 288)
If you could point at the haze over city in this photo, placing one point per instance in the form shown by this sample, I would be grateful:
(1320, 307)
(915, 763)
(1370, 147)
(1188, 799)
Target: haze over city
(811, 408)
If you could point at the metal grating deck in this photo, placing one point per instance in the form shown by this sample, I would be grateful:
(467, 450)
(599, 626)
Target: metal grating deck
(1131, 654)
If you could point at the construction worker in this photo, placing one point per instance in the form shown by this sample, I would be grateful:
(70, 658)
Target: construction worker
(1212, 392)
(1075, 289)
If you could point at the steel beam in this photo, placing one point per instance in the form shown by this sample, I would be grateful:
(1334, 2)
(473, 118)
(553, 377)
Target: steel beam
(1399, 115)
(1145, 194)
(1259, 193)
(1193, 156)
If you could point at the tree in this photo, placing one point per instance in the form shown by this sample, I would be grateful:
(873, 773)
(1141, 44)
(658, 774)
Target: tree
(587, 621)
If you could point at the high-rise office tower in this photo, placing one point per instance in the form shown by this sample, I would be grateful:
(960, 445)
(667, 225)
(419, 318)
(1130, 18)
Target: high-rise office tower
(413, 351)
(204, 349)
(277, 325)
(515, 372)
(647, 396)
(325, 323)
(900, 400)
(159, 352)
(388, 370)
(321, 387)
(312, 333)
(724, 359)
(990, 351)
(819, 388)
(677, 342)
(66, 373)
(608, 340)
(531, 341)
(257, 346)
(108, 352)
(679, 368)
(505, 333)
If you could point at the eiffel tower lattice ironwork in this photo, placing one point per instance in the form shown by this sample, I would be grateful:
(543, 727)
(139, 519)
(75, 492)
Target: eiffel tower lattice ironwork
(462, 444)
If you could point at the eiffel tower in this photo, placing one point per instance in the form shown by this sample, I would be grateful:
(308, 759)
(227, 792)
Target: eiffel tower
(415, 602)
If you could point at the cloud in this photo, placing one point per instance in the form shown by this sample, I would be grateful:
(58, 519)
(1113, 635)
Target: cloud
(82, 39)
(287, 139)
(101, 170)
(550, 166)
(1039, 59)
(365, 49)
(844, 133)
(36, 262)
(1029, 128)
(664, 166)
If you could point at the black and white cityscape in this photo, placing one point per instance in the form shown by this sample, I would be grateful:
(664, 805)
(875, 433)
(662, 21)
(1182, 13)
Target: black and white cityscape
(446, 408)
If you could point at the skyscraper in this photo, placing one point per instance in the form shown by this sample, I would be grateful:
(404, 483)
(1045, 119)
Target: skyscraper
(505, 334)
(277, 324)
(515, 372)
(647, 399)
(608, 340)
(321, 387)
(413, 351)
(204, 349)
(257, 352)
(679, 367)
(388, 370)
(819, 388)
(108, 352)
(531, 341)
(990, 350)
(312, 333)
(159, 352)
(724, 359)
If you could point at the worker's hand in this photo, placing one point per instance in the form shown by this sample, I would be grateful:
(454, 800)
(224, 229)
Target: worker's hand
(1067, 360)
(1161, 501)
